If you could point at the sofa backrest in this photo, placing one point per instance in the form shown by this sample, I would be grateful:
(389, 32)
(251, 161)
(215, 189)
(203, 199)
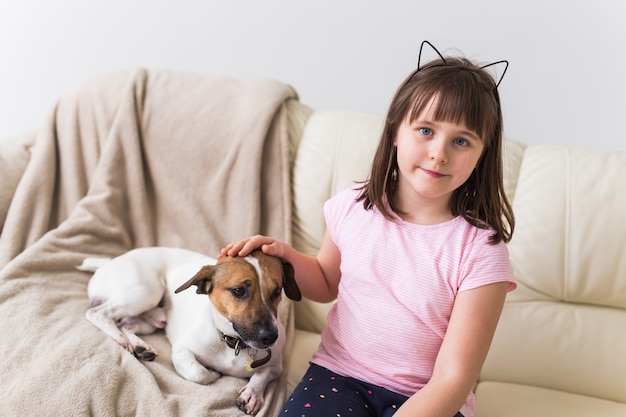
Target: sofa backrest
(564, 328)
(335, 151)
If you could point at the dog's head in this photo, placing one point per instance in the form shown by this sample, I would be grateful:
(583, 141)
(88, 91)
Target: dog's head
(247, 291)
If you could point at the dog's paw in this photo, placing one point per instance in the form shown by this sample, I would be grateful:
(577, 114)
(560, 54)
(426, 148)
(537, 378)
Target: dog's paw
(138, 347)
(249, 401)
(145, 354)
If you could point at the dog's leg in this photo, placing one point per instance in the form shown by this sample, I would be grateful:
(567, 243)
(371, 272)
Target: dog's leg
(101, 316)
(131, 326)
(251, 396)
(188, 367)
(105, 316)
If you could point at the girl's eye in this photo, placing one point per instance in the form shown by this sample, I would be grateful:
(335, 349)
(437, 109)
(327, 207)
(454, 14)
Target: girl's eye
(426, 131)
(461, 142)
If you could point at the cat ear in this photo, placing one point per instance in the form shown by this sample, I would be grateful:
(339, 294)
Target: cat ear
(419, 58)
(444, 62)
(506, 66)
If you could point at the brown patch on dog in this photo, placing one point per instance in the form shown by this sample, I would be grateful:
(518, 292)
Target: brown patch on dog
(248, 299)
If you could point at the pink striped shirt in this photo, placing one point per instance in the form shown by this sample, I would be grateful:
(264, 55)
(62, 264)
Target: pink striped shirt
(398, 284)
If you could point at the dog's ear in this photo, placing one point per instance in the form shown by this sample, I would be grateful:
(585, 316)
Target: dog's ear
(289, 283)
(202, 279)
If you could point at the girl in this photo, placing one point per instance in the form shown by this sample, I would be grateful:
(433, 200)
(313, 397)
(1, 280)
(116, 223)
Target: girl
(415, 257)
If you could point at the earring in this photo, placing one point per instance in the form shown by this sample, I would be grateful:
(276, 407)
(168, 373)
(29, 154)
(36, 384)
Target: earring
(394, 175)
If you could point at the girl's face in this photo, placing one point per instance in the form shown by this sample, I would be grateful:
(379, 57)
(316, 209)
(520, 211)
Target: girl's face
(434, 159)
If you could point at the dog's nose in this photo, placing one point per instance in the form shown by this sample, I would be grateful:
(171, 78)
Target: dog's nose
(268, 336)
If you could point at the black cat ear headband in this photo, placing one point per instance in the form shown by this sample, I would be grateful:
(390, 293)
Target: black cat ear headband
(444, 63)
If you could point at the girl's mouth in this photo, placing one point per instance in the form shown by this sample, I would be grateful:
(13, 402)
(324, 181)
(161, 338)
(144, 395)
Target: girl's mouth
(432, 174)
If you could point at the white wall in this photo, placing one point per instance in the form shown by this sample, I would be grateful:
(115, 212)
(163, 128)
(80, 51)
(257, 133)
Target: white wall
(566, 82)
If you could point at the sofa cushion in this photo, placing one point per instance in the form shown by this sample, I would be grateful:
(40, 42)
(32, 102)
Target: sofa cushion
(495, 399)
(560, 346)
(570, 241)
(305, 343)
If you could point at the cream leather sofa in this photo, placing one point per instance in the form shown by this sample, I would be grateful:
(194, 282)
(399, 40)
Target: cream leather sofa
(560, 347)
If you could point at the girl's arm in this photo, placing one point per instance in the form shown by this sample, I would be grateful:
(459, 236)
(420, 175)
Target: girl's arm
(317, 276)
(473, 322)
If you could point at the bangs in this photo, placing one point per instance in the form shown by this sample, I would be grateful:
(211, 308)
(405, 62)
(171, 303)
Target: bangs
(459, 97)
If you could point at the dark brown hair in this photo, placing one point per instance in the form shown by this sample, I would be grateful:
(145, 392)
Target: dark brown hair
(461, 92)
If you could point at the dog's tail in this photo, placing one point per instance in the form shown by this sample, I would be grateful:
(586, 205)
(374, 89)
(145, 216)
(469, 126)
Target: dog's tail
(91, 264)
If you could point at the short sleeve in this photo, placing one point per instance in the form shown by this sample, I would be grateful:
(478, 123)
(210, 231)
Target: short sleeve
(336, 209)
(486, 263)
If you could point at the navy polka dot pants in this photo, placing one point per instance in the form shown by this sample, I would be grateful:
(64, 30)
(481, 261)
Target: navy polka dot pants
(323, 393)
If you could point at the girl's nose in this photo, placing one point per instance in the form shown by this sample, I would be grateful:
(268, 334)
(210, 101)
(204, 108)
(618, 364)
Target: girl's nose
(438, 152)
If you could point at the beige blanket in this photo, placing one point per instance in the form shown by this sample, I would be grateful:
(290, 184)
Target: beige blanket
(132, 159)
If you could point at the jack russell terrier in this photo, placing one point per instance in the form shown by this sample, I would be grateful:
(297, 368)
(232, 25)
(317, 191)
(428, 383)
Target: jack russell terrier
(140, 292)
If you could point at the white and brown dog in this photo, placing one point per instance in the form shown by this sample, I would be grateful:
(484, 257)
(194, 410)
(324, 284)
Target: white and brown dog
(140, 291)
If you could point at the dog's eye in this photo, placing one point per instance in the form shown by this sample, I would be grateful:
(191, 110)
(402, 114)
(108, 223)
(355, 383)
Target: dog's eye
(238, 292)
(277, 293)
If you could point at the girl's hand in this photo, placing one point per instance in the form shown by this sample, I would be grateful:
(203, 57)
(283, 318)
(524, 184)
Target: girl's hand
(317, 276)
(244, 247)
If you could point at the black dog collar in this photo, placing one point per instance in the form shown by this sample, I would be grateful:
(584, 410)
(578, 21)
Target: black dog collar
(237, 344)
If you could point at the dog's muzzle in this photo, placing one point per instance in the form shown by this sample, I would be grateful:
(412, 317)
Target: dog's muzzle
(237, 344)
